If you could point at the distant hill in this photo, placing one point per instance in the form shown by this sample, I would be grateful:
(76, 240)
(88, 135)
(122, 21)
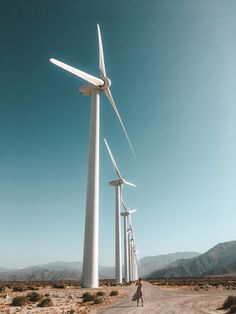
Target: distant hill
(52, 271)
(153, 263)
(220, 260)
(4, 270)
(73, 270)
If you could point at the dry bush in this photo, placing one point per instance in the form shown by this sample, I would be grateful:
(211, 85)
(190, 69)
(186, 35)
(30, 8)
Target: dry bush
(88, 297)
(232, 309)
(18, 289)
(58, 286)
(101, 294)
(2, 289)
(33, 288)
(34, 297)
(45, 303)
(114, 293)
(231, 300)
(98, 300)
(20, 301)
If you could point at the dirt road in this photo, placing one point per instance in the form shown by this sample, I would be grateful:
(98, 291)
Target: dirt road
(161, 301)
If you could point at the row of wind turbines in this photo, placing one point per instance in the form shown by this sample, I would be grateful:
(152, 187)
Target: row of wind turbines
(90, 277)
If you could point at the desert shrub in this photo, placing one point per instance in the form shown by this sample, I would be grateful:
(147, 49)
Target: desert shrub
(114, 293)
(231, 300)
(232, 309)
(19, 301)
(45, 303)
(2, 289)
(34, 297)
(58, 286)
(101, 293)
(98, 300)
(18, 289)
(47, 295)
(88, 297)
(33, 288)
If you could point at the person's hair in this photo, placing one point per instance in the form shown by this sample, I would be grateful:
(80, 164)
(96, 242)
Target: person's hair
(139, 279)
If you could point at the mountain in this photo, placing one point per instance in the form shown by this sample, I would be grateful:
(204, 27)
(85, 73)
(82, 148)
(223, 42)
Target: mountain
(152, 263)
(52, 271)
(220, 260)
(4, 270)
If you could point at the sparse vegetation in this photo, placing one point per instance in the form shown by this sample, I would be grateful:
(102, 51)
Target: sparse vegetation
(45, 303)
(58, 286)
(2, 289)
(88, 297)
(101, 294)
(231, 300)
(232, 309)
(114, 293)
(34, 297)
(98, 300)
(19, 289)
(33, 288)
(20, 300)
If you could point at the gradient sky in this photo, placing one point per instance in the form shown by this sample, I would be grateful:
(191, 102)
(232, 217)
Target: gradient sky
(173, 70)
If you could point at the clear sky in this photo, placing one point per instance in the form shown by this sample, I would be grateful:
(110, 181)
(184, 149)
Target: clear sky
(173, 70)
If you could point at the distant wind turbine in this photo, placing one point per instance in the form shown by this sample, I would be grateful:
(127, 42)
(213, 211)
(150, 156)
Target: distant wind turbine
(126, 214)
(118, 185)
(95, 87)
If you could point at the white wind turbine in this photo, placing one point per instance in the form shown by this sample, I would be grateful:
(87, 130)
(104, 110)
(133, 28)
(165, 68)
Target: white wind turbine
(118, 185)
(94, 88)
(126, 214)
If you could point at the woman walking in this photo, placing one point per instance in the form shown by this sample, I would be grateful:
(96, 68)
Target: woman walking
(139, 292)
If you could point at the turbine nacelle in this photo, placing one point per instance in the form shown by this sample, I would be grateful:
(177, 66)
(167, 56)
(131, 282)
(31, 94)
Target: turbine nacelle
(107, 83)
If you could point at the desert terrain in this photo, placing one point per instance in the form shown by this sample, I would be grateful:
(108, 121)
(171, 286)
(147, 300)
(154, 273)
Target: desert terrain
(160, 296)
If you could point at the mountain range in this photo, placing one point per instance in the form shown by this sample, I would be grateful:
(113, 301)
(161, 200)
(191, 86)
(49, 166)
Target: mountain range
(153, 263)
(220, 260)
(73, 270)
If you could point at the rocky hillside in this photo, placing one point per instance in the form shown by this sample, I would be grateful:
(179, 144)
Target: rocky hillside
(220, 260)
(52, 271)
(152, 263)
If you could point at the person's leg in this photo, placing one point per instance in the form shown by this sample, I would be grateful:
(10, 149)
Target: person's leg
(137, 301)
(142, 300)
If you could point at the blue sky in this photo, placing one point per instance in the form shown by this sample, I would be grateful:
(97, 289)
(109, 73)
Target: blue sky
(173, 71)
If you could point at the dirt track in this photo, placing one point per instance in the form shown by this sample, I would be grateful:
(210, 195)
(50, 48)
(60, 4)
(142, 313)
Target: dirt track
(157, 300)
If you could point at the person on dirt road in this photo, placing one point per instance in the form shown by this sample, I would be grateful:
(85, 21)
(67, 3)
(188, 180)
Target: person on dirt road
(139, 292)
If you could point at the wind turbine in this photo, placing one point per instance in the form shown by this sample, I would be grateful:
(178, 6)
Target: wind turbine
(126, 214)
(94, 88)
(118, 184)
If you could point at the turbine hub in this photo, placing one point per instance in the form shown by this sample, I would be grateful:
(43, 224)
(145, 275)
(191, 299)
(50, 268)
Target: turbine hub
(107, 83)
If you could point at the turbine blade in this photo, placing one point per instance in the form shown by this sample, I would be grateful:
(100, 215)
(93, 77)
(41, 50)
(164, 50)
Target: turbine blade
(109, 96)
(125, 208)
(131, 184)
(85, 76)
(132, 211)
(130, 223)
(113, 161)
(101, 54)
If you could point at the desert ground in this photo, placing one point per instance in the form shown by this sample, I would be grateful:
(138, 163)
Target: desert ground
(159, 297)
(178, 300)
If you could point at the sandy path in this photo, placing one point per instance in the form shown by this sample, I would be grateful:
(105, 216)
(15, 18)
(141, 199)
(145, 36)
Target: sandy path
(161, 301)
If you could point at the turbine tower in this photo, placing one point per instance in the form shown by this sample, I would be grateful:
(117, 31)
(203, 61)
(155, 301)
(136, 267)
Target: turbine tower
(93, 89)
(127, 215)
(118, 184)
